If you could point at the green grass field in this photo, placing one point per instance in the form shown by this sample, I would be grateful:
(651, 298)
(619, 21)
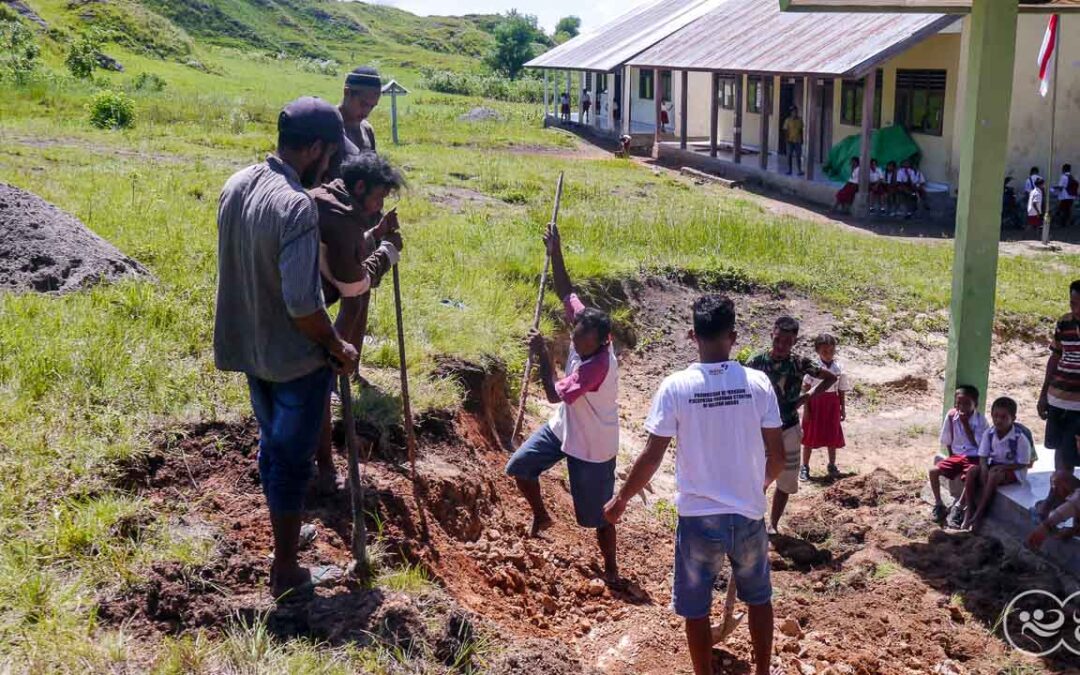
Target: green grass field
(84, 378)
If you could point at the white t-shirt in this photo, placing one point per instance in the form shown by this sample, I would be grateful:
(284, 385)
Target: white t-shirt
(1063, 187)
(1029, 184)
(1013, 449)
(877, 176)
(854, 176)
(953, 433)
(1035, 203)
(716, 411)
(843, 382)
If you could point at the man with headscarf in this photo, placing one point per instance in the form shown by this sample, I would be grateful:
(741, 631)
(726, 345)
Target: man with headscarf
(363, 89)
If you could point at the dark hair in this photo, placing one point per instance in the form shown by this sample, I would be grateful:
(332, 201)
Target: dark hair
(1034, 170)
(787, 324)
(970, 390)
(854, 161)
(714, 315)
(364, 77)
(1066, 167)
(374, 170)
(594, 319)
(824, 339)
(1007, 404)
(1040, 181)
(1074, 287)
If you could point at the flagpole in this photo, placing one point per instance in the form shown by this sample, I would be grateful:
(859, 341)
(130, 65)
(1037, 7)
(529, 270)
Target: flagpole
(1053, 129)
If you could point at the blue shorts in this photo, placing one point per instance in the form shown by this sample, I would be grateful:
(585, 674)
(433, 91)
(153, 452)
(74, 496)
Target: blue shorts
(701, 545)
(592, 484)
(290, 416)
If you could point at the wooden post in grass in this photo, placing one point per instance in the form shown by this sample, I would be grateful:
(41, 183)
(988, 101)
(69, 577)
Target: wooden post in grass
(658, 110)
(764, 91)
(536, 318)
(394, 89)
(812, 122)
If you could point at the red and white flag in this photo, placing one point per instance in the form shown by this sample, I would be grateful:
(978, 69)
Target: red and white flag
(1046, 54)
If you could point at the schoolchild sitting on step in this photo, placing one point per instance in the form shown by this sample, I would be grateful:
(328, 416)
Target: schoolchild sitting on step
(961, 433)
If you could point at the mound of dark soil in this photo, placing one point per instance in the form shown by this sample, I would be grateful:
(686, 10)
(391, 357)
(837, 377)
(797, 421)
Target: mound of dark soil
(45, 249)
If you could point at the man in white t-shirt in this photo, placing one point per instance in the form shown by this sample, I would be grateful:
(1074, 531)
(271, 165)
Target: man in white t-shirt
(727, 422)
(585, 428)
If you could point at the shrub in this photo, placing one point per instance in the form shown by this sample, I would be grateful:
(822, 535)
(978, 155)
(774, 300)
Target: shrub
(19, 51)
(82, 56)
(497, 87)
(112, 110)
(147, 82)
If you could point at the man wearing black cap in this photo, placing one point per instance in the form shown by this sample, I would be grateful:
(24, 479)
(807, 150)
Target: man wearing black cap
(271, 322)
(363, 89)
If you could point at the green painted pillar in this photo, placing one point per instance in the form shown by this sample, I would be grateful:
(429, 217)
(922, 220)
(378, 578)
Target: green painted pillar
(985, 129)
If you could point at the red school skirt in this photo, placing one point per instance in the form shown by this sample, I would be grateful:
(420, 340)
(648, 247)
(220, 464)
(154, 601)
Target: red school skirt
(846, 194)
(822, 428)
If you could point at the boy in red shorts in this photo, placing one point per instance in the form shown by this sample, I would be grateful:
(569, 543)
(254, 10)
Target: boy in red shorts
(1003, 451)
(961, 434)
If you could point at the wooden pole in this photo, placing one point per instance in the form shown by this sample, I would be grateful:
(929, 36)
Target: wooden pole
(714, 113)
(740, 84)
(626, 101)
(393, 115)
(684, 96)
(658, 100)
(1047, 213)
(766, 108)
(813, 124)
(536, 317)
(406, 408)
(361, 568)
(869, 89)
(547, 85)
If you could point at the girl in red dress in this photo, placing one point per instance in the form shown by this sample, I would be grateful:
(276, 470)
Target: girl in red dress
(823, 426)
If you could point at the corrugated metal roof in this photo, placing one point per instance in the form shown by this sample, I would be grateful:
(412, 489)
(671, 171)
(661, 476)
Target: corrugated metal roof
(755, 36)
(611, 45)
(935, 6)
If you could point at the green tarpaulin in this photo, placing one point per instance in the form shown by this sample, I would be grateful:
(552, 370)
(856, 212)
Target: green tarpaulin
(891, 144)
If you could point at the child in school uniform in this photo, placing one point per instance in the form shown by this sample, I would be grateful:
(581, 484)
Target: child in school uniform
(877, 188)
(823, 426)
(1036, 203)
(891, 183)
(961, 434)
(845, 196)
(1003, 450)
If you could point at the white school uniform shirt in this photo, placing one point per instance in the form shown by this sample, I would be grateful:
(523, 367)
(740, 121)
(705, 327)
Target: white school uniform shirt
(877, 176)
(854, 176)
(1035, 203)
(916, 177)
(1013, 449)
(1063, 187)
(953, 434)
(843, 382)
(716, 412)
(585, 97)
(1029, 184)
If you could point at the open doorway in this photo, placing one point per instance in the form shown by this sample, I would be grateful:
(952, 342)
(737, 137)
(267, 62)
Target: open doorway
(791, 95)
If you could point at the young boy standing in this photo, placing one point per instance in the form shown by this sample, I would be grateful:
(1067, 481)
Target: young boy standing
(1003, 451)
(961, 433)
(786, 371)
(585, 429)
(727, 423)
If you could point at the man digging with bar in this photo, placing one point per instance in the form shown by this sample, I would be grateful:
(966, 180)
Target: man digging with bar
(585, 428)
(359, 244)
(270, 320)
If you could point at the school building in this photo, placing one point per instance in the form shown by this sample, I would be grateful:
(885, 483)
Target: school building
(728, 71)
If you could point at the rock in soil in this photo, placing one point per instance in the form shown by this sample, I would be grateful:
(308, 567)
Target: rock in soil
(45, 249)
(398, 623)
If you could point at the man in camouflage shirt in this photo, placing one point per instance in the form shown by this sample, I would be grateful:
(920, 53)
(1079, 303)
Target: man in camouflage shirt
(786, 371)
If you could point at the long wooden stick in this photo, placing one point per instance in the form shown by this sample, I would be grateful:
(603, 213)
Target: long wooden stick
(410, 433)
(356, 489)
(536, 317)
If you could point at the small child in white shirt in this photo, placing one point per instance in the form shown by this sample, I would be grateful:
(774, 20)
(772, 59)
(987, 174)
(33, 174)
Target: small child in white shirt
(822, 426)
(1003, 450)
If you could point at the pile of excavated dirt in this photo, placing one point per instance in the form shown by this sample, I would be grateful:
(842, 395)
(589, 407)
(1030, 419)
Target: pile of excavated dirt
(46, 249)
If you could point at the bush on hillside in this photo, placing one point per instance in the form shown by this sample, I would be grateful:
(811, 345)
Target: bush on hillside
(112, 110)
(82, 56)
(147, 82)
(495, 87)
(19, 52)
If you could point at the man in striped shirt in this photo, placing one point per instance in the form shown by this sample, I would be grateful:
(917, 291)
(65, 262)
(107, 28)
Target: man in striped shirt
(1059, 402)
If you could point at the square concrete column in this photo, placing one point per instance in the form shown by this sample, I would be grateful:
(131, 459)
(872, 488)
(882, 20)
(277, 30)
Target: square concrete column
(985, 129)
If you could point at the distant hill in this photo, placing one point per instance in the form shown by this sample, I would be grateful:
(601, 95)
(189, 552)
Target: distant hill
(321, 29)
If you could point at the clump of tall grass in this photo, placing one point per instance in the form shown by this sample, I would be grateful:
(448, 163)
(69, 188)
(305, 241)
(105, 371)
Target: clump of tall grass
(497, 87)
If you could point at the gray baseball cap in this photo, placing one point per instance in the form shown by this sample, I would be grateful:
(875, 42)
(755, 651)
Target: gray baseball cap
(312, 117)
